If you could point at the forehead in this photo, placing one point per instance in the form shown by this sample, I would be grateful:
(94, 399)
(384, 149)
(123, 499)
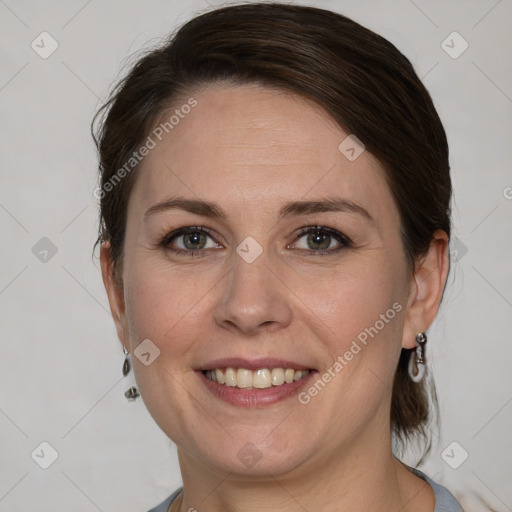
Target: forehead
(248, 145)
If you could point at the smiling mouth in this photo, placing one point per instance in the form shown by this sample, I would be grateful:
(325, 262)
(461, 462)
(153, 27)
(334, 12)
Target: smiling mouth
(259, 379)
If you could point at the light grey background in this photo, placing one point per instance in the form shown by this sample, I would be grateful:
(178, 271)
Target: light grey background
(60, 364)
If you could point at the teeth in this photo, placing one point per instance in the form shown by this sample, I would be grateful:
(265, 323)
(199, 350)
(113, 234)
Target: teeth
(262, 378)
(288, 375)
(230, 377)
(244, 378)
(219, 376)
(277, 376)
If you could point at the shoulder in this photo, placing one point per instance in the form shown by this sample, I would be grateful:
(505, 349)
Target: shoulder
(164, 506)
(445, 500)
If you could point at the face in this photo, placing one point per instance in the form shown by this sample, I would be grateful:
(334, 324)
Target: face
(295, 263)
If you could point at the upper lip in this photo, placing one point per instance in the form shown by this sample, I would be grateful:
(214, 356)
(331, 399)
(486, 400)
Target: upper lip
(253, 364)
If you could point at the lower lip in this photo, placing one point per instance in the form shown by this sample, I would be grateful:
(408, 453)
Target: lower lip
(255, 397)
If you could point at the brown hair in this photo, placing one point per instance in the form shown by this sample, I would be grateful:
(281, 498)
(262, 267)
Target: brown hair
(357, 76)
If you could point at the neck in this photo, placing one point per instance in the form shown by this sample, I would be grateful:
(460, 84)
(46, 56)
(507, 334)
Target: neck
(363, 476)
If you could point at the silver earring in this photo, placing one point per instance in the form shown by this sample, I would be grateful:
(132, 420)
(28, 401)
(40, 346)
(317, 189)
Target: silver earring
(417, 359)
(133, 392)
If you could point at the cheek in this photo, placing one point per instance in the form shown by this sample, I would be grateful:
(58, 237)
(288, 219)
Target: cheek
(352, 299)
(361, 311)
(162, 305)
(166, 309)
(357, 314)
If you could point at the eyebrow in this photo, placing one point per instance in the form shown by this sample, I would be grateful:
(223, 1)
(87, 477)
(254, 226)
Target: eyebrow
(212, 210)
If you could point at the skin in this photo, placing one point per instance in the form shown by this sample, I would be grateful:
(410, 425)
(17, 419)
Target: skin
(250, 150)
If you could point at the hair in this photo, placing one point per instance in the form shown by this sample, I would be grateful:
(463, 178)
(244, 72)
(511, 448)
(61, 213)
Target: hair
(359, 78)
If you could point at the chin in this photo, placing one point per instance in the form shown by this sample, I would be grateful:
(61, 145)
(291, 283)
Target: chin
(252, 460)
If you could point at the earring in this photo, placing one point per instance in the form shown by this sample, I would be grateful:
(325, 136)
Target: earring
(133, 392)
(126, 364)
(417, 358)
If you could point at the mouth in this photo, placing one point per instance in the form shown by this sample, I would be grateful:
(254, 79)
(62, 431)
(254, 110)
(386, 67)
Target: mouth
(261, 378)
(256, 383)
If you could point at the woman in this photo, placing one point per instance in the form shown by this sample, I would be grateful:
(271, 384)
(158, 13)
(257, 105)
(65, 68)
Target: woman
(275, 219)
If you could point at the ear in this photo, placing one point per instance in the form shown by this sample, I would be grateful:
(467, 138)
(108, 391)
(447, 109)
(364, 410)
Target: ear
(115, 294)
(426, 290)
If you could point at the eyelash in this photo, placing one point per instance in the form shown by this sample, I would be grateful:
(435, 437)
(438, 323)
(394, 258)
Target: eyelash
(340, 237)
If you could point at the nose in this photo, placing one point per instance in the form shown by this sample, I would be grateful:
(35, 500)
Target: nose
(253, 298)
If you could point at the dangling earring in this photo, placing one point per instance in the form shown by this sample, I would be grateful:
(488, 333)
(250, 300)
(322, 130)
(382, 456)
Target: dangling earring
(133, 392)
(126, 364)
(418, 359)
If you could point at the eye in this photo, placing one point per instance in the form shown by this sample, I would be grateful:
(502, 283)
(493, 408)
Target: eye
(319, 240)
(191, 240)
(196, 240)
